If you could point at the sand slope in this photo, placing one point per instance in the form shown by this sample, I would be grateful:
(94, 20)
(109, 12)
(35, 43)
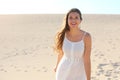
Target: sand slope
(26, 46)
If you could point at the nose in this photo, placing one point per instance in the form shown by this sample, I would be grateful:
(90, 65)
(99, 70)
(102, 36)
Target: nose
(73, 20)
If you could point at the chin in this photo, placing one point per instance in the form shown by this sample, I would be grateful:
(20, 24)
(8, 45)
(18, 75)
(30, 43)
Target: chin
(73, 26)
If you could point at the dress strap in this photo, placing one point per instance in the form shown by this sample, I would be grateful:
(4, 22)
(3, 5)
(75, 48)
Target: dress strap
(84, 35)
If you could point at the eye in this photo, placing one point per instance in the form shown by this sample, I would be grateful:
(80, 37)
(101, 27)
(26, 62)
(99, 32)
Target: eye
(70, 17)
(77, 17)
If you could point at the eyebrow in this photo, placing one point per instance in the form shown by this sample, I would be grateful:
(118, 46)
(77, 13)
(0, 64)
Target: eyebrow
(75, 16)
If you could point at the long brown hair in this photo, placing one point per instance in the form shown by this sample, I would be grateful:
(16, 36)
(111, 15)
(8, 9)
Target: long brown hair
(65, 27)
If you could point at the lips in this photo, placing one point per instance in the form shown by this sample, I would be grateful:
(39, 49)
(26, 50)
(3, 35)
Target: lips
(73, 23)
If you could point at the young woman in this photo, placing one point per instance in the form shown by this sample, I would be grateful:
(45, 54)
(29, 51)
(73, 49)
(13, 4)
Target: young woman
(74, 48)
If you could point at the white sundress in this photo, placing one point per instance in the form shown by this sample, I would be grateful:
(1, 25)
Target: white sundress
(71, 66)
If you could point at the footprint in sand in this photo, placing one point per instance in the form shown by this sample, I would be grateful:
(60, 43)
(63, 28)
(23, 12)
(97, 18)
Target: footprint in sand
(101, 54)
(108, 74)
(115, 65)
(97, 73)
(109, 79)
(100, 66)
(101, 71)
(108, 50)
(104, 59)
(44, 69)
(115, 77)
(25, 70)
(38, 70)
(93, 78)
(3, 70)
(18, 70)
(117, 39)
(110, 42)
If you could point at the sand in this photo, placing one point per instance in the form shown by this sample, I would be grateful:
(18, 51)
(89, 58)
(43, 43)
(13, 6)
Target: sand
(26, 45)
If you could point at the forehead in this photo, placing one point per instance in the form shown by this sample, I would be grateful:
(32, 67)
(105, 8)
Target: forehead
(73, 14)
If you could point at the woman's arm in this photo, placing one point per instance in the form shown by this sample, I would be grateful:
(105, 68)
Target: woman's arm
(87, 53)
(60, 55)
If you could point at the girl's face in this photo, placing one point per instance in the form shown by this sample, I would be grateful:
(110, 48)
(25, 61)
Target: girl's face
(74, 20)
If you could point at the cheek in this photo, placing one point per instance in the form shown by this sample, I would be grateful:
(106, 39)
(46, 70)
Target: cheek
(79, 21)
(69, 22)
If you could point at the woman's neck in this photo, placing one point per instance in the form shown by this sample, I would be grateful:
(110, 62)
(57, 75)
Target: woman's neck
(74, 32)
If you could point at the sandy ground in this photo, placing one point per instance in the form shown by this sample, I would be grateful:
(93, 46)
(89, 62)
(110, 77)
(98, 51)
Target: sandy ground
(26, 46)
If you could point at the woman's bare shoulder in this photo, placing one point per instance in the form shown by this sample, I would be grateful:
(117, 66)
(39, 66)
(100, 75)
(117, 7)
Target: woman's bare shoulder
(87, 36)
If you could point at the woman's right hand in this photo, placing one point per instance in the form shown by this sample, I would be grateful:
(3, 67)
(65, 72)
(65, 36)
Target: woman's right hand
(55, 69)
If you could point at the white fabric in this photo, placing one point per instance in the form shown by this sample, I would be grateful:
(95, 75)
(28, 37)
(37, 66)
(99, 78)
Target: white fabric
(71, 66)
